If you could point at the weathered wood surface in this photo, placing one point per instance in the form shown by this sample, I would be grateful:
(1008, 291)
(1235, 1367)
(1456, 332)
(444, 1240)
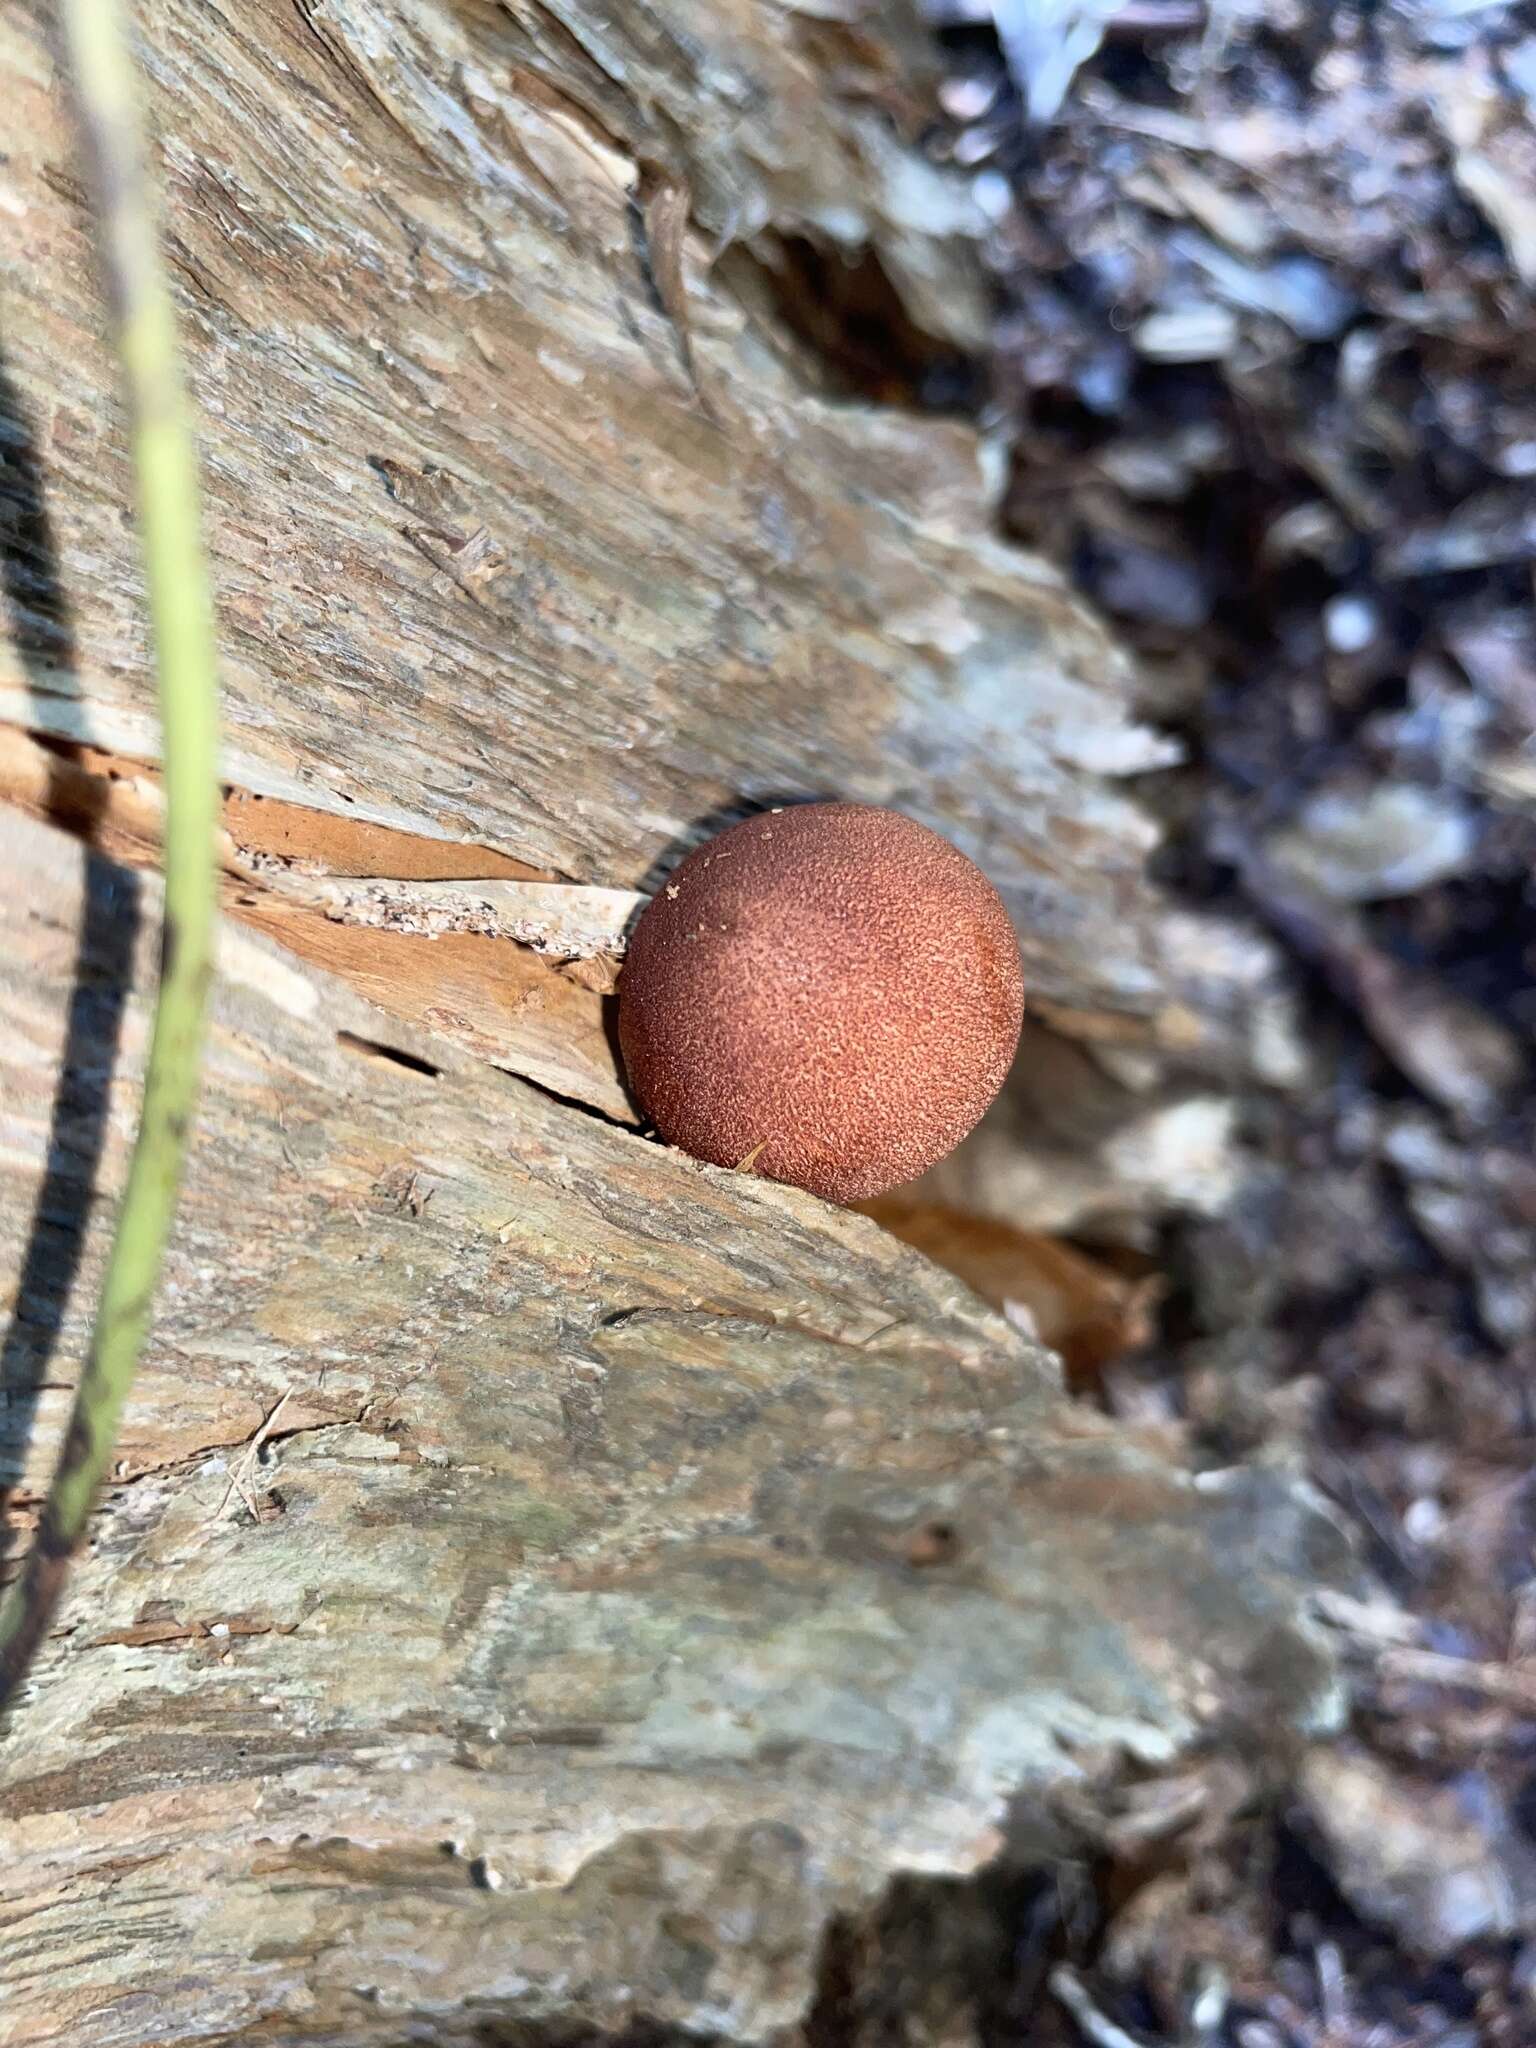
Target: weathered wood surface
(492, 563)
(546, 1579)
(519, 1006)
(642, 1563)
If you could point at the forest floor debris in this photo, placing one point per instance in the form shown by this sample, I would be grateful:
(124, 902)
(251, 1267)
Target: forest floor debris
(1263, 361)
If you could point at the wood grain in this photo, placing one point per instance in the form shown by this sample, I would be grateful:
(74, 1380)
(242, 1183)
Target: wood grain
(544, 1577)
(487, 568)
(546, 1582)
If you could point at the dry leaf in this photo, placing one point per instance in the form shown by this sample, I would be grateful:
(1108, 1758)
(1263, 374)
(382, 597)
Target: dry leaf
(1080, 1306)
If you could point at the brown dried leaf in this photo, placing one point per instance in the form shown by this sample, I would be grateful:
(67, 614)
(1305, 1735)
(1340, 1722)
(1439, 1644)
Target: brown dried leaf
(1081, 1307)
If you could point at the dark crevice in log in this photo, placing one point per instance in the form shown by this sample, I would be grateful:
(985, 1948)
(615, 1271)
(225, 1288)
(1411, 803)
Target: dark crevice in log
(375, 1049)
(585, 1108)
(842, 307)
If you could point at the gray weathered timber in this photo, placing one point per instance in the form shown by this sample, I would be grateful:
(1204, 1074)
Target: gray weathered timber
(544, 1578)
(491, 563)
(547, 1577)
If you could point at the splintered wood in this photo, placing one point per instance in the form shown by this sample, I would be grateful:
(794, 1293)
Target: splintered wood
(487, 569)
(544, 1580)
(502, 1491)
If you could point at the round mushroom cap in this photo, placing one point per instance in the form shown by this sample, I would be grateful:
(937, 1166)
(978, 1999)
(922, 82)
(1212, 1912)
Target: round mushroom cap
(828, 994)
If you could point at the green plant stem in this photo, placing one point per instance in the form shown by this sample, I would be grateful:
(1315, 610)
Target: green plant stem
(181, 615)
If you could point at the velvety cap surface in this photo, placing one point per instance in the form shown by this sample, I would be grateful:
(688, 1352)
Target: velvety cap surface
(829, 993)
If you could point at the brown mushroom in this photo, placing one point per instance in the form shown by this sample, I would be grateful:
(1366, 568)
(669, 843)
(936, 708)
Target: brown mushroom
(829, 994)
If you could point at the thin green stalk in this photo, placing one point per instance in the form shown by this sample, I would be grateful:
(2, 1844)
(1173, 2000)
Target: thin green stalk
(181, 615)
